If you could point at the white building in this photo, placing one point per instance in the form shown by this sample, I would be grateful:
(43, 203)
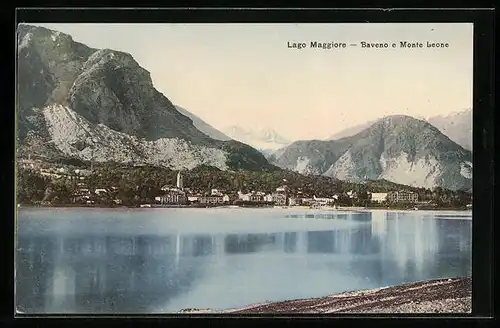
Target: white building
(173, 196)
(294, 201)
(379, 197)
(323, 200)
(215, 192)
(244, 197)
(279, 199)
(281, 189)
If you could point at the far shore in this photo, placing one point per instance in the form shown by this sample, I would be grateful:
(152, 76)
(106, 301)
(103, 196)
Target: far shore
(324, 208)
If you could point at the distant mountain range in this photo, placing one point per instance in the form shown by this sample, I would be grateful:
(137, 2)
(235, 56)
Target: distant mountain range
(397, 148)
(456, 126)
(79, 102)
(351, 131)
(265, 140)
(101, 105)
(203, 126)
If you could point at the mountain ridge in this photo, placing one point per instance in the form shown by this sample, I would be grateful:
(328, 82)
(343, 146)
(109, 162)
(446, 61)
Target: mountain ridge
(61, 81)
(456, 125)
(203, 126)
(398, 148)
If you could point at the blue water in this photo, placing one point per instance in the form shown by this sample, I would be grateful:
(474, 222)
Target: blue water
(164, 260)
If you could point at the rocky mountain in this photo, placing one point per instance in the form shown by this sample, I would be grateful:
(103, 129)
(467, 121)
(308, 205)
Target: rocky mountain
(457, 126)
(203, 126)
(397, 148)
(100, 104)
(265, 140)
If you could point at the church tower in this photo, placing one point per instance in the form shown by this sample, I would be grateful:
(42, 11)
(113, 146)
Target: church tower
(179, 181)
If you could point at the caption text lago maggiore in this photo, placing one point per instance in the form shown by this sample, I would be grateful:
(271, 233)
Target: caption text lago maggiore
(366, 45)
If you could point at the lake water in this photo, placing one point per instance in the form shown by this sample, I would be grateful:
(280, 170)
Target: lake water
(164, 260)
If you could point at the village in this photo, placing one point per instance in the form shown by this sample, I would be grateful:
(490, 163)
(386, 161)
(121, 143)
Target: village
(178, 195)
(281, 197)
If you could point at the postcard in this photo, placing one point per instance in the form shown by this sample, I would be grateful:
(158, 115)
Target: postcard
(244, 168)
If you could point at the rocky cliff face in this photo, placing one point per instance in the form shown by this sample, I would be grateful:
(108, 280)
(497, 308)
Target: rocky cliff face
(75, 101)
(397, 148)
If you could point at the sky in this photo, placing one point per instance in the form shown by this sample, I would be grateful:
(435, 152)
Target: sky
(245, 74)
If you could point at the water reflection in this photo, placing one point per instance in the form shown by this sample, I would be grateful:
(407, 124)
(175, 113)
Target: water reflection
(107, 273)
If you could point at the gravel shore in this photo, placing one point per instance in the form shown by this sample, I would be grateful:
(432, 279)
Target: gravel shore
(434, 296)
(452, 295)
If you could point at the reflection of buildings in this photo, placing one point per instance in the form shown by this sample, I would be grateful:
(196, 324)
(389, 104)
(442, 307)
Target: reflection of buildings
(125, 273)
(415, 246)
(105, 274)
(379, 223)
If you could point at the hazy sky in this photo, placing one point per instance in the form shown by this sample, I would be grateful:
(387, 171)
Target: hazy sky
(244, 74)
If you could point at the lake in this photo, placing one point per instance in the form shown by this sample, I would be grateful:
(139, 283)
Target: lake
(162, 260)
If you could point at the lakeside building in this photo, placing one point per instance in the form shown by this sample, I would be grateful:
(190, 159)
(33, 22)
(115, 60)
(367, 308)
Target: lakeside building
(193, 198)
(279, 199)
(402, 196)
(243, 197)
(323, 200)
(216, 192)
(100, 191)
(351, 194)
(256, 198)
(172, 196)
(282, 189)
(307, 201)
(379, 197)
(295, 201)
(214, 200)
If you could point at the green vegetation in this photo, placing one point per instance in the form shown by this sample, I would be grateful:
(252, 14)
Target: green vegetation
(134, 185)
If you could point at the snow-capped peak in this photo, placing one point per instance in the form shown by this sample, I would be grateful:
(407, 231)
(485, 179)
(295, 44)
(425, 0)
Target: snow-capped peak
(265, 138)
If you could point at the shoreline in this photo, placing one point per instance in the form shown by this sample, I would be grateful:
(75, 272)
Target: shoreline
(445, 295)
(329, 209)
